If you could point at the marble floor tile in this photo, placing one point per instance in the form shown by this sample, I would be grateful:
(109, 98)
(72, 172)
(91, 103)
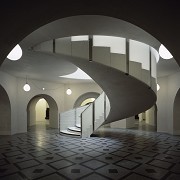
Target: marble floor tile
(113, 154)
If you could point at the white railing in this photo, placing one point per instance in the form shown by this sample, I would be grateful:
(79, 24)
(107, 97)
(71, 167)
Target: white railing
(99, 110)
(67, 119)
(87, 121)
(130, 56)
(94, 116)
(71, 118)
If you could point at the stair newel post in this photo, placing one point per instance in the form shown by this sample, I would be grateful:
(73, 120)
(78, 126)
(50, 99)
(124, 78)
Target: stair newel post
(150, 67)
(93, 115)
(54, 46)
(90, 48)
(75, 113)
(127, 56)
(59, 122)
(81, 126)
(104, 106)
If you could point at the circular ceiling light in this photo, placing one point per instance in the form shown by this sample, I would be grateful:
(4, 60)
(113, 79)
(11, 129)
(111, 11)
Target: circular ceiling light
(26, 87)
(15, 54)
(158, 87)
(164, 53)
(68, 92)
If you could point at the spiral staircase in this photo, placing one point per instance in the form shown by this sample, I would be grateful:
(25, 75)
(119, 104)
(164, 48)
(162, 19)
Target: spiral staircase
(125, 69)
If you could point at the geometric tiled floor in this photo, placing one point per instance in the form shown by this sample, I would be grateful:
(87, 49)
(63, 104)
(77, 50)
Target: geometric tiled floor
(115, 154)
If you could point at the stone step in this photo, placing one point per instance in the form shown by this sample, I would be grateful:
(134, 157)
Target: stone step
(76, 129)
(74, 133)
(78, 125)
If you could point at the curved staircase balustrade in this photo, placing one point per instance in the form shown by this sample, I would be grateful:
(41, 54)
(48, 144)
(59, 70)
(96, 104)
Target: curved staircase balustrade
(124, 81)
(69, 121)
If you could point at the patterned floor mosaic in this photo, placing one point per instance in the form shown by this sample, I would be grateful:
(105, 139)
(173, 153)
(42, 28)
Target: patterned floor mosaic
(115, 154)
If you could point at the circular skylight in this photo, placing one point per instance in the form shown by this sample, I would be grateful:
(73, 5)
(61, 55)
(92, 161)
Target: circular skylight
(79, 74)
(164, 53)
(15, 54)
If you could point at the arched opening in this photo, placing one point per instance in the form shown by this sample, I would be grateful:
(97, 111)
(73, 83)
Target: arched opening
(147, 120)
(85, 99)
(176, 114)
(42, 113)
(5, 113)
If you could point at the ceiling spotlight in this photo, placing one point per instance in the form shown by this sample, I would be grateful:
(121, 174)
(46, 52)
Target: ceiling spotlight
(158, 87)
(15, 53)
(43, 89)
(68, 91)
(164, 53)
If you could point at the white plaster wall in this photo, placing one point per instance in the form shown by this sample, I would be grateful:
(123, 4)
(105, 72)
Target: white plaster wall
(78, 90)
(36, 88)
(5, 112)
(150, 116)
(31, 112)
(41, 110)
(173, 87)
(19, 99)
(169, 86)
(118, 124)
(130, 122)
(124, 123)
(9, 83)
(162, 104)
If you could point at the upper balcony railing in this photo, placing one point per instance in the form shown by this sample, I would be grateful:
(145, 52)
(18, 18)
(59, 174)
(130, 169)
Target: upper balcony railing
(129, 56)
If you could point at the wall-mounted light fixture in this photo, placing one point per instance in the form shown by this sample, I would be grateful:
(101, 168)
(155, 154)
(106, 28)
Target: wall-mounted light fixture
(68, 91)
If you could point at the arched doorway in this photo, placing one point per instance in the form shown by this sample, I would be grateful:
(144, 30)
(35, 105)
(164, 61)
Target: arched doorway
(5, 113)
(86, 98)
(42, 112)
(147, 120)
(176, 114)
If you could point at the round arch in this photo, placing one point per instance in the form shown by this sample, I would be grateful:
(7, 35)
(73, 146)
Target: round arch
(5, 112)
(85, 96)
(31, 112)
(176, 113)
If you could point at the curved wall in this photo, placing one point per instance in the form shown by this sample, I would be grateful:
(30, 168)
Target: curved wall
(9, 83)
(19, 99)
(176, 113)
(5, 113)
(168, 104)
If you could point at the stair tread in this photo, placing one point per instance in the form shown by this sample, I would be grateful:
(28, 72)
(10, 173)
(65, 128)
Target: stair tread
(70, 132)
(78, 125)
(77, 129)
